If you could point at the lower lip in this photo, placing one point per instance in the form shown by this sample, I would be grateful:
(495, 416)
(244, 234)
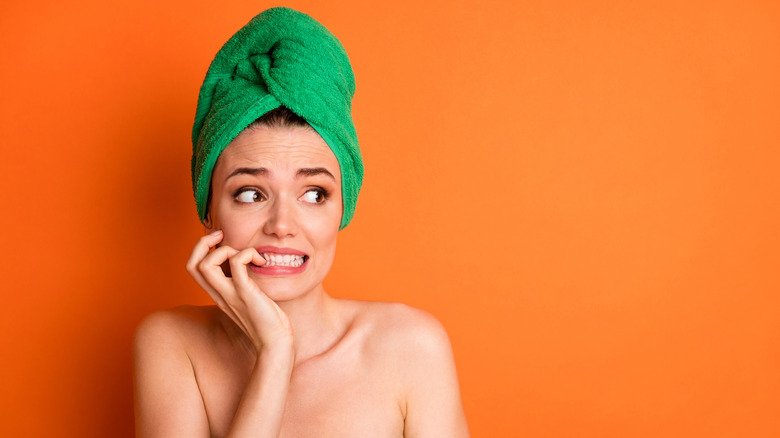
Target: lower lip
(279, 271)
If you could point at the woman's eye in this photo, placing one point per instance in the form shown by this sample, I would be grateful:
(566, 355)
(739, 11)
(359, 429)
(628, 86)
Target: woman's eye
(314, 196)
(249, 196)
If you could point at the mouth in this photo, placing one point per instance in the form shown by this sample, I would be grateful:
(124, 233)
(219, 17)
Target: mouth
(289, 260)
(280, 261)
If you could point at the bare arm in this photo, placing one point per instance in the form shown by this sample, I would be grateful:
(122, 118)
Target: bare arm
(262, 406)
(433, 405)
(168, 400)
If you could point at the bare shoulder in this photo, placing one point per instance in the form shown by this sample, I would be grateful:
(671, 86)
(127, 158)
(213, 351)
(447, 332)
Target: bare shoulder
(401, 334)
(167, 397)
(413, 348)
(400, 325)
(182, 326)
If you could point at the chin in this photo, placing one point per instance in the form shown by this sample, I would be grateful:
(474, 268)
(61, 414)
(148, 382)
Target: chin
(281, 289)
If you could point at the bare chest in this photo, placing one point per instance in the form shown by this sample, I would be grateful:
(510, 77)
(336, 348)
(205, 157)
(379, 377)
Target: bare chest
(336, 395)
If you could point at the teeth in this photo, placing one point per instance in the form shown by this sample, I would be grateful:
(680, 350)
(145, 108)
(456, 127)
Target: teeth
(282, 260)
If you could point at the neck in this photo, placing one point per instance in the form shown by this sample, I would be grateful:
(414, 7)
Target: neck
(316, 321)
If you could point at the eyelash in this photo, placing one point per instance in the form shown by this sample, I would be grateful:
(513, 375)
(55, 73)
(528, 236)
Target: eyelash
(246, 189)
(325, 193)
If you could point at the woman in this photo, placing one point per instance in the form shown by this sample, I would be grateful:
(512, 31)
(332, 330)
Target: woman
(276, 173)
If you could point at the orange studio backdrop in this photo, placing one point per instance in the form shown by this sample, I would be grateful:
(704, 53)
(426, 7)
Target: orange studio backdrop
(585, 193)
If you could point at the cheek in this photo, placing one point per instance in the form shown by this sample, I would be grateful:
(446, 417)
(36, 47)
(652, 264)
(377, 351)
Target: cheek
(327, 221)
(322, 230)
(238, 231)
(325, 249)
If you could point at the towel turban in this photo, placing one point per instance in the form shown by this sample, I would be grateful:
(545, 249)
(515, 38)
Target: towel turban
(282, 57)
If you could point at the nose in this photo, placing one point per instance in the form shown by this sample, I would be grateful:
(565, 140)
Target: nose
(281, 221)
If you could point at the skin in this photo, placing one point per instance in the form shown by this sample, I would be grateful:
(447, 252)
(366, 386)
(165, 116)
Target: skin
(276, 356)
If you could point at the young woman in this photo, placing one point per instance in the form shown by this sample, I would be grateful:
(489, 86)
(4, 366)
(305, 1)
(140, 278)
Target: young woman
(276, 355)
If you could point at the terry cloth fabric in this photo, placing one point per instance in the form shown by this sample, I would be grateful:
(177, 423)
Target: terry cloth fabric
(282, 57)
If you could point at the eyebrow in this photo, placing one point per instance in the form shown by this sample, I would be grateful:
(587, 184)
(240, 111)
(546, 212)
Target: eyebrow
(312, 171)
(248, 171)
(306, 171)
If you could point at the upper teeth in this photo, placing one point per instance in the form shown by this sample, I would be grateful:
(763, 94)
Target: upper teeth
(282, 260)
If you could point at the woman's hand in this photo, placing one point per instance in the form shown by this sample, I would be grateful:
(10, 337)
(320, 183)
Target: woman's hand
(262, 405)
(258, 316)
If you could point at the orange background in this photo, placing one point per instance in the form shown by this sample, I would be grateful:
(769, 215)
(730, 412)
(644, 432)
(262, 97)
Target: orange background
(585, 193)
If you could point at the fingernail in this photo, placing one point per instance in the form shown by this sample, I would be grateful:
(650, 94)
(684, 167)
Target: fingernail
(216, 233)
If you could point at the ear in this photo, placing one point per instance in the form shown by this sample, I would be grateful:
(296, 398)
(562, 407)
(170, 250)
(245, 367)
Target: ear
(208, 227)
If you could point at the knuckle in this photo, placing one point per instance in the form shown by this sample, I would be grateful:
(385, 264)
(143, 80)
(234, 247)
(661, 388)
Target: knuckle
(235, 256)
(235, 263)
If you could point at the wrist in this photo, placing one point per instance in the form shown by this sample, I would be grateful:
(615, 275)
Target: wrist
(280, 354)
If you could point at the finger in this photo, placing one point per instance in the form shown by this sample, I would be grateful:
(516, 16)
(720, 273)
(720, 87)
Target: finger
(210, 290)
(221, 303)
(257, 259)
(215, 295)
(238, 266)
(202, 248)
(198, 277)
(198, 257)
(211, 269)
(199, 251)
(218, 257)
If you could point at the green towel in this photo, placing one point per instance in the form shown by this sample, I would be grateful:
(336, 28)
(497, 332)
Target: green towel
(282, 57)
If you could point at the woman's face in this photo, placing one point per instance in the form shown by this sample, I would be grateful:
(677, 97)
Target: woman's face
(279, 190)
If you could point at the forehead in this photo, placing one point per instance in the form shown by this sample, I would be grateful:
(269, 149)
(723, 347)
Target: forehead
(279, 149)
